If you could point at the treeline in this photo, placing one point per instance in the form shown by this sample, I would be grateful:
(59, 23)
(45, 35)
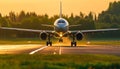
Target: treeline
(111, 16)
(106, 19)
(30, 20)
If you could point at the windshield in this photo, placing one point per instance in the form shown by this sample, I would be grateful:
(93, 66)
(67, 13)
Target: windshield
(61, 21)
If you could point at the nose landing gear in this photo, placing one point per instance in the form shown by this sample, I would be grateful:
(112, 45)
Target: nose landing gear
(60, 40)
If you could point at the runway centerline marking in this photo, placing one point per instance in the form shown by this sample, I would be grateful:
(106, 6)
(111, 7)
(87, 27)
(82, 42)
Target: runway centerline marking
(60, 52)
(38, 50)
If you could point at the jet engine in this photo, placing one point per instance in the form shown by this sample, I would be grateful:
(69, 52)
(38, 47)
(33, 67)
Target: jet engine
(79, 36)
(43, 35)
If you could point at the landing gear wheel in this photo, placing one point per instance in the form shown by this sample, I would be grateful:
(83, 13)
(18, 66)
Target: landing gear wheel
(49, 43)
(73, 44)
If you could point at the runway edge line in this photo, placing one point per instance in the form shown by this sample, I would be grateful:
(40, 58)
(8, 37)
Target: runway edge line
(37, 50)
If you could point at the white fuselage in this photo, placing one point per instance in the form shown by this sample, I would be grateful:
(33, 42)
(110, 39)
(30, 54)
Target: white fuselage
(61, 25)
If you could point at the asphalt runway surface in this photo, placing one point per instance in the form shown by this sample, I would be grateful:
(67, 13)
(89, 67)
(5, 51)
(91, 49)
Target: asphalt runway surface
(59, 49)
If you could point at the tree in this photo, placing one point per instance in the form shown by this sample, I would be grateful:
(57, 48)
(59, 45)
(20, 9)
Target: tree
(81, 15)
(111, 15)
(4, 22)
(0, 15)
(12, 16)
(30, 23)
(71, 19)
(21, 16)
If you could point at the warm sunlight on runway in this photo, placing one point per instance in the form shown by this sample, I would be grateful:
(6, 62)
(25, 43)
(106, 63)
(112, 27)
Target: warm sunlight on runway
(62, 49)
(66, 42)
(16, 49)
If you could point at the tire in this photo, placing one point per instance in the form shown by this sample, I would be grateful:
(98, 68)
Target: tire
(47, 43)
(73, 44)
(60, 40)
(50, 43)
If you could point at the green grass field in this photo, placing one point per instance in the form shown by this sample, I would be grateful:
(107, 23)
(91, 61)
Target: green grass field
(99, 42)
(20, 41)
(38, 41)
(23, 41)
(38, 61)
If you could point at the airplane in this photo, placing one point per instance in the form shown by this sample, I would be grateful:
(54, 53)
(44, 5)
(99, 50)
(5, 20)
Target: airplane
(61, 29)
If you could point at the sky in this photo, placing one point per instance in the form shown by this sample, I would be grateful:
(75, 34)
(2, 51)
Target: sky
(51, 7)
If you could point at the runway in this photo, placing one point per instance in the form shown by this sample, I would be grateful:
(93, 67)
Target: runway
(41, 49)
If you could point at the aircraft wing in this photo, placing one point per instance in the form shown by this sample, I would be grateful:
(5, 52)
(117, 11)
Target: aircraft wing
(47, 25)
(99, 30)
(96, 30)
(29, 30)
(75, 25)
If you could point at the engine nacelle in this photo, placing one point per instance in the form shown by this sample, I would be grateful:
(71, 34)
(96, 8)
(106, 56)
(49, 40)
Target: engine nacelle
(43, 35)
(79, 36)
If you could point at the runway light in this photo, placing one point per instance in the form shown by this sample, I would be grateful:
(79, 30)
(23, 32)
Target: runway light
(54, 53)
(88, 42)
(29, 41)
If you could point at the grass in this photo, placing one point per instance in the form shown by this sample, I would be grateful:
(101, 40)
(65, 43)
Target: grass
(105, 43)
(98, 41)
(38, 61)
(22, 41)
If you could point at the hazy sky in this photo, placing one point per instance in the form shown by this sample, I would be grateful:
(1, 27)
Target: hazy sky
(51, 7)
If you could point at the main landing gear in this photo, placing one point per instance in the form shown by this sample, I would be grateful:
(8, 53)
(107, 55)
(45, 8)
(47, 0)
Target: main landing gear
(49, 41)
(73, 43)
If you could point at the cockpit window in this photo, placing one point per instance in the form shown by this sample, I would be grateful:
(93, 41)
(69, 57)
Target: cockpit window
(61, 21)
